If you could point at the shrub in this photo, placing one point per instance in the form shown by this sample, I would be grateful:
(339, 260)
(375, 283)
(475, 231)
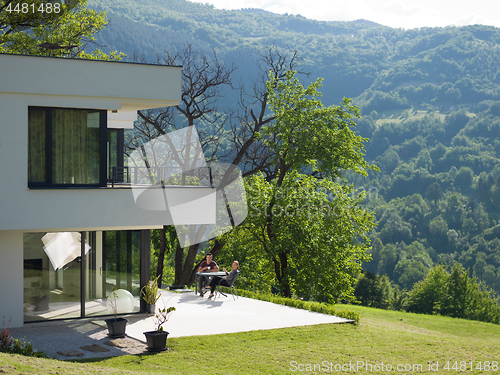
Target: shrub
(318, 307)
(15, 346)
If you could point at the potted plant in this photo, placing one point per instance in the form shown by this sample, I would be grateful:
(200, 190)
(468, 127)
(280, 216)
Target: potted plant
(157, 339)
(150, 295)
(41, 302)
(116, 326)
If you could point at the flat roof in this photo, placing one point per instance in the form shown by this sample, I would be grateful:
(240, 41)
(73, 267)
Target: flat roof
(79, 59)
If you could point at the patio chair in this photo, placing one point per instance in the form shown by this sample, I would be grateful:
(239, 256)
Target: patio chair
(230, 287)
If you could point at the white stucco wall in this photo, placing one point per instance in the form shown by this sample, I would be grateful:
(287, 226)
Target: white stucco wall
(74, 209)
(11, 277)
(36, 81)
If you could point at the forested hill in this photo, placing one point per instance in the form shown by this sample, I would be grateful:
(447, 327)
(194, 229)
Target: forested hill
(430, 100)
(384, 67)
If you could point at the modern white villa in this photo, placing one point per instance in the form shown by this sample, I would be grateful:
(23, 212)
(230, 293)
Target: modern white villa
(70, 229)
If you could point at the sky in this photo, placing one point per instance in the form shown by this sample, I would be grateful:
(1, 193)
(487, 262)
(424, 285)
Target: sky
(394, 13)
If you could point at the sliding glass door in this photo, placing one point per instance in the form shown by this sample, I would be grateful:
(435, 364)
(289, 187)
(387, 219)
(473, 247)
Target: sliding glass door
(114, 265)
(51, 276)
(59, 283)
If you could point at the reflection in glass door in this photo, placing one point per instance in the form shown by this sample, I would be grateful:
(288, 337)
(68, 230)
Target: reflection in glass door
(114, 265)
(53, 279)
(52, 276)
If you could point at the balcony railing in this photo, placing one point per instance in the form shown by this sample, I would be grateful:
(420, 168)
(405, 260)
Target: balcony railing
(160, 176)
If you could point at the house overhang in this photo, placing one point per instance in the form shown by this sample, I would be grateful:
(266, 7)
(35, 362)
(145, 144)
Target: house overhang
(118, 86)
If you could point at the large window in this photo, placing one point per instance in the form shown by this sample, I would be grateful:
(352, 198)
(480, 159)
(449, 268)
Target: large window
(66, 147)
(59, 283)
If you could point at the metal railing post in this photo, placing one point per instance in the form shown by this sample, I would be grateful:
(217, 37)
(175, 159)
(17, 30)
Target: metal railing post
(210, 177)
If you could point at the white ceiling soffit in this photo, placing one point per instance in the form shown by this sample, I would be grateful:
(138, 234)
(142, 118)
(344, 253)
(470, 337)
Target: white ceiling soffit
(121, 120)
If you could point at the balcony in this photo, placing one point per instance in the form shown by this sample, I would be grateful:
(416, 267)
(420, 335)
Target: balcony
(130, 177)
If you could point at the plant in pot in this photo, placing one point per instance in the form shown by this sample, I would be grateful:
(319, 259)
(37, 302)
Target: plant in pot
(157, 339)
(116, 326)
(150, 295)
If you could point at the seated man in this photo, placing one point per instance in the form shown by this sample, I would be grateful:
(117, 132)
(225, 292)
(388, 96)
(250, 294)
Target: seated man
(208, 265)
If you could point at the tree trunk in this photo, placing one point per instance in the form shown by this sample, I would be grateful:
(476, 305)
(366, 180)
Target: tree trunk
(179, 257)
(185, 277)
(285, 282)
(281, 263)
(218, 245)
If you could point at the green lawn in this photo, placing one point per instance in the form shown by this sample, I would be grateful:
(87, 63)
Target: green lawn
(383, 338)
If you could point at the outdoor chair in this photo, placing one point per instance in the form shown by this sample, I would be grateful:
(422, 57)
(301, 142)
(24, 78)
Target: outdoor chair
(230, 287)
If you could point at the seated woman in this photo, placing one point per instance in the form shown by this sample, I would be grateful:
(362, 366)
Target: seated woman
(226, 280)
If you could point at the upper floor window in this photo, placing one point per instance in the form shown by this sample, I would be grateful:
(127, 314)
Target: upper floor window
(66, 147)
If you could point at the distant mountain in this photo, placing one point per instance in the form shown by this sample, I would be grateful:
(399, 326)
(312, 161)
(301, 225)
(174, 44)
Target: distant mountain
(255, 10)
(149, 26)
(383, 68)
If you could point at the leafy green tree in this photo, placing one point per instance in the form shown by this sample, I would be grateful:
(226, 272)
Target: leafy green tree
(460, 293)
(394, 229)
(437, 152)
(481, 265)
(241, 244)
(454, 242)
(66, 30)
(455, 122)
(454, 210)
(429, 295)
(465, 177)
(390, 160)
(305, 135)
(417, 251)
(466, 300)
(318, 236)
(388, 260)
(376, 249)
(434, 192)
(453, 294)
(475, 220)
(424, 160)
(409, 271)
(491, 278)
(438, 229)
(374, 291)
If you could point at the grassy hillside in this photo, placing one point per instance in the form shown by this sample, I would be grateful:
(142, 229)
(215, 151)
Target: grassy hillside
(383, 337)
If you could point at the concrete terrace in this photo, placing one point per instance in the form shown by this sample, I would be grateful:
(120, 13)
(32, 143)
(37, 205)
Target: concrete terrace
(193, 316)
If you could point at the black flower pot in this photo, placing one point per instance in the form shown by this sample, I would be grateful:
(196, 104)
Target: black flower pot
(150, 309)
(116, 328)
(156, 341)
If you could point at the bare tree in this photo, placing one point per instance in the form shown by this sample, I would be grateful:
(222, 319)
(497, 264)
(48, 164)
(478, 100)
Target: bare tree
(204, 81)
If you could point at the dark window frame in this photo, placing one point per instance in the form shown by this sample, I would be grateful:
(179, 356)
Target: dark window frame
(103, 155)
(119, 150)
(144, 271)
